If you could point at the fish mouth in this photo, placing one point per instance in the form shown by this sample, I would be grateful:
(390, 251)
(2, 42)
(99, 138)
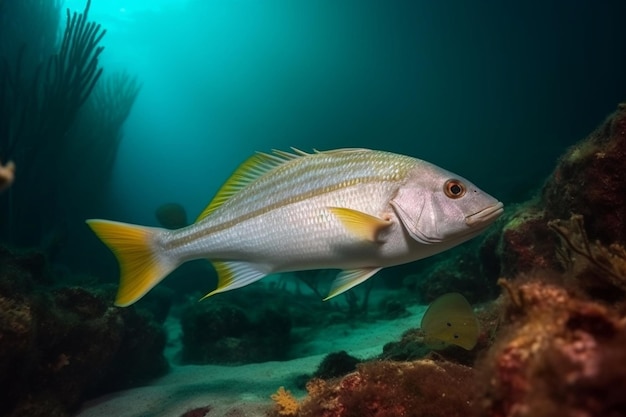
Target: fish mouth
(486, 215)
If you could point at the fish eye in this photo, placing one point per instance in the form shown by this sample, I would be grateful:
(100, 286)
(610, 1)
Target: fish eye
(454, 188)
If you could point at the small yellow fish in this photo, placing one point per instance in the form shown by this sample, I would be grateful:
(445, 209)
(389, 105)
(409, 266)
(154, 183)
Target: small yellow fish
(450, 319)
(357, 210)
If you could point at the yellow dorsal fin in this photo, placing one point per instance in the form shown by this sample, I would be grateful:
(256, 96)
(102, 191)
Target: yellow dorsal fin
(343, 150)
(248, 172)
(360, 224)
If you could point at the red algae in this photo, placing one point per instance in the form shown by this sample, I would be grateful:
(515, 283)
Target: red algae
(561, 355)
(391, 389)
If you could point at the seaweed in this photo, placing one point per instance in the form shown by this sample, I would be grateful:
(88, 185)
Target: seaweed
(581, 257)
(70, 75)
(60, 119)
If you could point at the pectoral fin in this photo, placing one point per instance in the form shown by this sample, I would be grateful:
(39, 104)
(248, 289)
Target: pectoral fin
(348, 279)
(360, 224)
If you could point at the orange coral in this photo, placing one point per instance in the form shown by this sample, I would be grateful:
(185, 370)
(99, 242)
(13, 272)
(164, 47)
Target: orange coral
(315, 386)
(286, 404)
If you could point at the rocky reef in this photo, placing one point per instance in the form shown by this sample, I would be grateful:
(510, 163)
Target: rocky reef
(386, 389)
(224, 333)
(588, 181)
(552, 343)
(559, 353)
(61, 344)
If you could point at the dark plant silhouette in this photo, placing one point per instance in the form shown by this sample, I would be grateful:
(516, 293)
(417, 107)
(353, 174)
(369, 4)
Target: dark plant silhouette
(59, 121)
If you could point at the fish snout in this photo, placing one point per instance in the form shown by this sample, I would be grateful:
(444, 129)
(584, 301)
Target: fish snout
(486, 215)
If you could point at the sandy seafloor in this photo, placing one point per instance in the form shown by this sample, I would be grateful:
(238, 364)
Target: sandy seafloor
(244, 391)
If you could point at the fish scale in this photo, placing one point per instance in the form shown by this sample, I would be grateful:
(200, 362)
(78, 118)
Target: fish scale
(357, 210)
(300, 178)
(279, 233)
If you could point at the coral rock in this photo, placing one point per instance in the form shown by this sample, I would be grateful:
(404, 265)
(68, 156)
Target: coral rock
(589, 180)
(391, 389)
(61, 345)
(562, 355)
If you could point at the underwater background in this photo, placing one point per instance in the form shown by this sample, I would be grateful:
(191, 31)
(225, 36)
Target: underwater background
(148, 128)
(504, 87)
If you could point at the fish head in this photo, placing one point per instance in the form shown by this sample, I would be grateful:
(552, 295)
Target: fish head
(439, 207)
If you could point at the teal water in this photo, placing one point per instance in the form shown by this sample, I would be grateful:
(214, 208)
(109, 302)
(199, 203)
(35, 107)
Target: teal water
(494, 92)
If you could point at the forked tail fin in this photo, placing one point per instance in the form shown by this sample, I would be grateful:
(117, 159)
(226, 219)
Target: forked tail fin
(142, 265)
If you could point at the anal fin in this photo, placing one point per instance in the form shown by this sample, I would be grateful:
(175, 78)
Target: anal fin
(350, 278)
(235, 274)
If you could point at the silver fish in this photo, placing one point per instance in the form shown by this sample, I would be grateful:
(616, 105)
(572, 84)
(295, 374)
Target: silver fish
(357, 210)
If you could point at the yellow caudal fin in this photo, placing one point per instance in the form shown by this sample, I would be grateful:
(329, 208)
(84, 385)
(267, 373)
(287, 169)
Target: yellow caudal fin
(142, 267)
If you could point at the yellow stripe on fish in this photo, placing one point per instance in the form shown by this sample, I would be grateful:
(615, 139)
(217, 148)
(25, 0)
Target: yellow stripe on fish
(357, 210)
